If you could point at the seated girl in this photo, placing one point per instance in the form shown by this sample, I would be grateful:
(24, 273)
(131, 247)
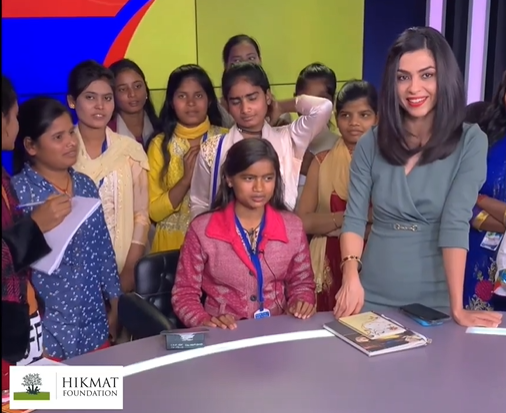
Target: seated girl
(189, 115)
(75, 320)
(249, 254)
(247, 92)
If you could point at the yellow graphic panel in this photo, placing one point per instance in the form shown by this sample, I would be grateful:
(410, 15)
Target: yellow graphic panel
(164, 40)
(291, 34)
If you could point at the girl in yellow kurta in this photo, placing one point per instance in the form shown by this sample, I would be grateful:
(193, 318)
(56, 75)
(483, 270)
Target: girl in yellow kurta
(189, 115)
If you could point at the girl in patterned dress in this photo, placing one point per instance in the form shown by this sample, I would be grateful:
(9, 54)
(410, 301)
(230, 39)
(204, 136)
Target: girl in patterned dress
(75, 320)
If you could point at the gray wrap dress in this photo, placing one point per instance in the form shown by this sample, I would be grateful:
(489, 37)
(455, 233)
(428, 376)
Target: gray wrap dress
(414, 217)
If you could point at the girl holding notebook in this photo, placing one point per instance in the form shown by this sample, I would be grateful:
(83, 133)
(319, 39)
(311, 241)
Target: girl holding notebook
(75, 319)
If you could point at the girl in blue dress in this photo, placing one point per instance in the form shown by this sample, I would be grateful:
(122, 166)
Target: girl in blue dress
(489, 214)
(75, 294)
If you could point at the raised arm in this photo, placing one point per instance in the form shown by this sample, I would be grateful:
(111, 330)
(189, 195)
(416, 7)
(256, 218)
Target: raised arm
(200, 192)
(187, 290)
(315, 113)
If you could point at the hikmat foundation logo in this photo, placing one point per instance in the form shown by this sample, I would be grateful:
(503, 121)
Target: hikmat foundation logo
(32, 384)
(63, 387)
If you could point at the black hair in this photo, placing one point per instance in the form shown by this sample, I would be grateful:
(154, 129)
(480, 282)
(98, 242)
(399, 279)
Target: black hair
(317, 71)
(252, 72)
(168, 117)
(127, 64)
(240, 157)
(35, 117)
(449, 110)
(234, 41)
(9, 97)
(354, 90)
(86, 73)
(475, 111)
(494, 122)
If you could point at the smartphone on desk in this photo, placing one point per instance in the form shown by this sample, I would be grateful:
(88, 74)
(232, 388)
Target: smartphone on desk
(424, 315)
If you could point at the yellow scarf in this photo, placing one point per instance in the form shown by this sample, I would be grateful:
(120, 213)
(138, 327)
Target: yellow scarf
(334, 176)
(197, 132)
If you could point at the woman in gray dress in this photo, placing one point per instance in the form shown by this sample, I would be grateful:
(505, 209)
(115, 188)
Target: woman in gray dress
(421, 168)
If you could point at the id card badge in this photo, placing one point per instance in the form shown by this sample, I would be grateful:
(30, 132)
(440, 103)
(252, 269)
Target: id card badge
(261, 314)
(491, 241)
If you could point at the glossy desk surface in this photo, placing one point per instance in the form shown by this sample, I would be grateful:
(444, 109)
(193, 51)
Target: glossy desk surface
(457, 373)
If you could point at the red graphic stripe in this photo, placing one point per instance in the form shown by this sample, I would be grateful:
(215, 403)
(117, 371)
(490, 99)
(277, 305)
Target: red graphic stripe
(119, 47)
(16, 9)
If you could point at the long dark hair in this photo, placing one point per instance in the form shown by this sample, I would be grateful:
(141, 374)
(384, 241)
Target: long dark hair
(9, 97)
(494, 121)
(127, 64)
(168, 117)
(35, 117)
(234, 41)
(240, 157)
(449, 110)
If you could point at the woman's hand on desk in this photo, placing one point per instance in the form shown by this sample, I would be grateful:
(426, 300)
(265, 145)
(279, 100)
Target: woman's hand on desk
(350, 297)
(52, 212)
(469, 318)
(302, 310)
(225, 322)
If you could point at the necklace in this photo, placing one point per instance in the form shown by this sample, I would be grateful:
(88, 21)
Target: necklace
(251, 132)
(65, 190)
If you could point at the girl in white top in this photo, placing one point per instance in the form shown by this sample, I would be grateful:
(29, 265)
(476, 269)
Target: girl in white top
(247, 92)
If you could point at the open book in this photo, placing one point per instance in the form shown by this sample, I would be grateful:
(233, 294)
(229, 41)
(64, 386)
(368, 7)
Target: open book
(59, 238)
(385, 336)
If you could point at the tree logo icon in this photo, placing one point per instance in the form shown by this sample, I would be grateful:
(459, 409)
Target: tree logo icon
(32, 383)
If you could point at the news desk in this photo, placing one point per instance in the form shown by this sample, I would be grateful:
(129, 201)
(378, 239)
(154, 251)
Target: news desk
(313, 372)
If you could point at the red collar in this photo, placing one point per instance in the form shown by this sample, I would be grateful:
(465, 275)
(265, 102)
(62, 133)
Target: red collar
(221, 226)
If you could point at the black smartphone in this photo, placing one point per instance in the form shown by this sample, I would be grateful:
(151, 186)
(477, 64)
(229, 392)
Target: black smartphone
(424, 313)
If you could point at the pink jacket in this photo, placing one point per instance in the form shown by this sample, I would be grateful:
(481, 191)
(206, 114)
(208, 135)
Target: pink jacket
(213, 260)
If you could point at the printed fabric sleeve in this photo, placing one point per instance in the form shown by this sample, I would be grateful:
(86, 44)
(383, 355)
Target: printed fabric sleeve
(187, 290)
(110, 276)
(300, 284)
(470, 177)
(22, 244)
(200, 189)
(315, 115)
(141, 203)
(160, 206)
(359, 192)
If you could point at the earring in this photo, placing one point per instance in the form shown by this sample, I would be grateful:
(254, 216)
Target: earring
(72, 106)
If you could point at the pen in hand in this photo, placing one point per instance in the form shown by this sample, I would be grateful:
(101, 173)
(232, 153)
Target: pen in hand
(30, 204)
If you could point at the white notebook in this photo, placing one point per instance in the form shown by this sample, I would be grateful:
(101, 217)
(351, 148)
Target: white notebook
(59, 238)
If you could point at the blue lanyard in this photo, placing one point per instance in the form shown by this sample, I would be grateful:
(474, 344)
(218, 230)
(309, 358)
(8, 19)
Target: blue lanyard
(104, 148)
(255, 260)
